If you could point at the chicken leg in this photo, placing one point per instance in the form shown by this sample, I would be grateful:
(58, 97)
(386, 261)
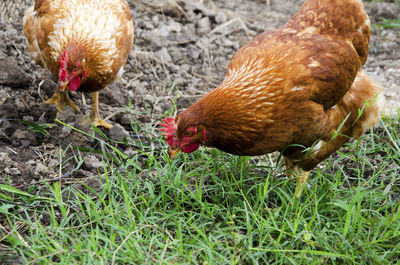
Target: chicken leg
(95, 115)
(302, 177)
(299, 174)
(61, 98)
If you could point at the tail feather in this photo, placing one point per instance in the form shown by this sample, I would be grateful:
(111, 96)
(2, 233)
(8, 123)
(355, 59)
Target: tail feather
(359, 110)
(365, 103)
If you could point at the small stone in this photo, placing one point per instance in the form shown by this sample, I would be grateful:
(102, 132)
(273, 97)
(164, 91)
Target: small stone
(117, 132)
(67, 115)
(53, 163)
(130, 152)
(5, 124)
(155, 20)
(126, 118)
(174, 26)
(164, 55)
(138, 88)
(65, 131)
(11, 74)
(18, 134)
(4, 158)
(14, 171)
(48, 88)
(20, 105)
(25, 138)
(92, 162)
(193, 53)
(221, 17)
(155, 36)
(25, 143)
(28, 118)
(83, 174)
(41, 169)
(9, 109)
(203, 26)
(82, 122)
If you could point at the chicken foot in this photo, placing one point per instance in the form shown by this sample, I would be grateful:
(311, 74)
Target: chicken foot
(61, 98)
(95, 114)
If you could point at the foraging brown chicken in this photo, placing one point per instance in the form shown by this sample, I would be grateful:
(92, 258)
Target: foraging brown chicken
(298, 90)
(85, 43)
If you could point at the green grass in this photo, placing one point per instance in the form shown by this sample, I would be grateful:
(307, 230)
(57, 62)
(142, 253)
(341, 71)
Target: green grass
(210, 208)
(389, 23)
(383, 1)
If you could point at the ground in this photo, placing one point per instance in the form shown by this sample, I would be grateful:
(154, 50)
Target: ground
(181, 51)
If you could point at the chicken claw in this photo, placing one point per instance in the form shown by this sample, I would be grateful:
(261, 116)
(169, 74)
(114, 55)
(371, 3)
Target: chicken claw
(61, 99)
(95, 114)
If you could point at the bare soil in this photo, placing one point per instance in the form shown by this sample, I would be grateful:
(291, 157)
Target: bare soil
(181, 51)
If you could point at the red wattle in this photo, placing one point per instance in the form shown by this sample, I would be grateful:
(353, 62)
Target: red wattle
(74, 84)
(190, 147)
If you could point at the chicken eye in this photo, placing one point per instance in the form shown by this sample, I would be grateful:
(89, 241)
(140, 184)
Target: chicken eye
(188, 134)
(75, 67)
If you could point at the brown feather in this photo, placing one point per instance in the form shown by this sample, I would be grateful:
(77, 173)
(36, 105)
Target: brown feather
(284, 86)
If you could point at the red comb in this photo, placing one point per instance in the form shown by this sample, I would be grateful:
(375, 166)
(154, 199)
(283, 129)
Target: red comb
(63, 60)
(63, 66)
(169, 126)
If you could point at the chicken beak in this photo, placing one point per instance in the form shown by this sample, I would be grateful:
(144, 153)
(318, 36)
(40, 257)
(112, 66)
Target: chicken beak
(173, 153)
(63, 85)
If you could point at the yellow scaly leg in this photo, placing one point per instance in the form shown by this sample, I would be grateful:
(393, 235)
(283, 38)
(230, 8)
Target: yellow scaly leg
(292, 170)
(302, 177)
(95, 115)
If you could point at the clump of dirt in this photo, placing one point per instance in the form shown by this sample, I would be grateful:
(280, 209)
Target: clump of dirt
(181, 51)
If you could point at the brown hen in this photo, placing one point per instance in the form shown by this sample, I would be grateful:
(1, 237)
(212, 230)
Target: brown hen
(85, 43)
(292, 90)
